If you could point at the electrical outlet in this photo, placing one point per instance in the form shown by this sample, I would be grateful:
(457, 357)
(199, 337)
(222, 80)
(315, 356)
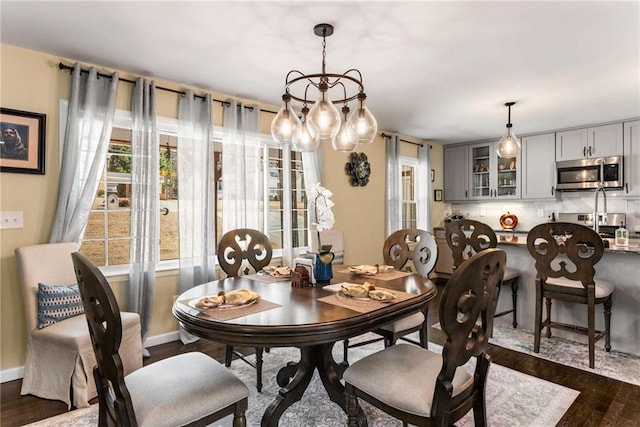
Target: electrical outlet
(11, 220)
(540, 213)
(481, 212)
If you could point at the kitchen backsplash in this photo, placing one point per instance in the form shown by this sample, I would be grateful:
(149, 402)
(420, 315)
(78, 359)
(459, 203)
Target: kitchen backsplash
(531, 213)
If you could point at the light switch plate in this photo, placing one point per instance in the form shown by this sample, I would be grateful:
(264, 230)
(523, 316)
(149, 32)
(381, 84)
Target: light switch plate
(11, 220)
(540, 213)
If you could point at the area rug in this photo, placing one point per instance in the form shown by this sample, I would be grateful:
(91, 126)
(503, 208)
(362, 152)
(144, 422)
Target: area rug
(513, 398)
(614, 364)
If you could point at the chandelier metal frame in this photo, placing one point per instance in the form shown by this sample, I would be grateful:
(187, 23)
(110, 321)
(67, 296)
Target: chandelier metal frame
(324, 31)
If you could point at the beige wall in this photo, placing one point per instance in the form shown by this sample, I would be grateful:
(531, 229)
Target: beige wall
(31, 81)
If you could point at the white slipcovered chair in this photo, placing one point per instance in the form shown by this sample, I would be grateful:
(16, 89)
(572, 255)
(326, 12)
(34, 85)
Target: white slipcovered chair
(60, 359)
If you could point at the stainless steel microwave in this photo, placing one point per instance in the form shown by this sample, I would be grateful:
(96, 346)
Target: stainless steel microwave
(584, 174)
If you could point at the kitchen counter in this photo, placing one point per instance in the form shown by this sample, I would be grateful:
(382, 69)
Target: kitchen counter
(618, 266)
(519, 238)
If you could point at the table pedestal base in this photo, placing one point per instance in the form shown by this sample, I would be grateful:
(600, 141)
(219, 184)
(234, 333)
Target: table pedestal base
(317, 357)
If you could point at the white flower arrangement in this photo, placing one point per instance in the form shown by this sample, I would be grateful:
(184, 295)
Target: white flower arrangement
(320, 203)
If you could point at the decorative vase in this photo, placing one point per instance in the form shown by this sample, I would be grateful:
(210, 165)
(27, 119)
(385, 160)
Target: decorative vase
(322, 268)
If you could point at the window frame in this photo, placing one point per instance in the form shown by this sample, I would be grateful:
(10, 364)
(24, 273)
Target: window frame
(169, 126)
(420, 210)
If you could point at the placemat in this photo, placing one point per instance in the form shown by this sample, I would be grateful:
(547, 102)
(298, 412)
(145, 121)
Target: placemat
(361, 305)
(265, 278)
(233, 313)
(389, 275)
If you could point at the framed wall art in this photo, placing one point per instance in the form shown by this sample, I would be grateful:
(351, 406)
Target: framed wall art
(437, 195)
(22, 140)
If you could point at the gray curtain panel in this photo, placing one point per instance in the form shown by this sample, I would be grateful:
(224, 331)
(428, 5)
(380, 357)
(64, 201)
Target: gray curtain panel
(241, 172)
(393, 219)
(424, 187)
(145, 170)
(196, 211)
(92, 102)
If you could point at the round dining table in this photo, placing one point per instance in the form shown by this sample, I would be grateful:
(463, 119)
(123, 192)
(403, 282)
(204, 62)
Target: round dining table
(301, 317)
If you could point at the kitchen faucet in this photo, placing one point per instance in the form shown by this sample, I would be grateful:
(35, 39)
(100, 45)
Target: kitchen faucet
(596, 214)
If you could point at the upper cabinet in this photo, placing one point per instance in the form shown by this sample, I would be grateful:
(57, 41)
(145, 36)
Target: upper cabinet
(492, 177)
(597, 141)
(456, 159)
(538, 166)
(632, 158)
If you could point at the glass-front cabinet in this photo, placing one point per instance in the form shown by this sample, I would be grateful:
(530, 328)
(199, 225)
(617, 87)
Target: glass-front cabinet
(493, 177)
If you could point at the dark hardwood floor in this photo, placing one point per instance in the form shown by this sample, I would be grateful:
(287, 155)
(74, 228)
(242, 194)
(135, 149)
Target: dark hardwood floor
(602, 401)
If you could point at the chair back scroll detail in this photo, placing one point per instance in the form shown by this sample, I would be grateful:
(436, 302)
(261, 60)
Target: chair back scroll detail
(244, 246)
(562, 249)
(414, 245)
(105, 328)
(467, 237)
(467, 307)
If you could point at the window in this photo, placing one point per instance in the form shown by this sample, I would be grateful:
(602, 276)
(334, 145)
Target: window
(107, 235)
(285, 177)
(408, 200)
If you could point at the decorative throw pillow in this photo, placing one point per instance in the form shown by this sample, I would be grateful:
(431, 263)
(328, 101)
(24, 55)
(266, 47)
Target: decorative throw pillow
(57, 303)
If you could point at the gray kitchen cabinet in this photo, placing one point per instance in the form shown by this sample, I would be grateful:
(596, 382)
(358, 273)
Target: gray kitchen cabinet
(492, 177)
(596, 141)
(632, 158)
(538, 166)
(456, 159)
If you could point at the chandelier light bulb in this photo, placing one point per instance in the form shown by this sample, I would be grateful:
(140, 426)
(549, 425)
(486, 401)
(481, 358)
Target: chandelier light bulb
(325, 117)
(345, 141)
(362, 123)
(308, 140)
(508, 145)
(286, 126)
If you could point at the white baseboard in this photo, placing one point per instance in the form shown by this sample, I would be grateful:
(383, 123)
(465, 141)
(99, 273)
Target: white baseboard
(12, 374)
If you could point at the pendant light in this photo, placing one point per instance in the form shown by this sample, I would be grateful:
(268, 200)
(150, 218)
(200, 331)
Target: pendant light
(509, 144)
(286, 126)
(308, 140)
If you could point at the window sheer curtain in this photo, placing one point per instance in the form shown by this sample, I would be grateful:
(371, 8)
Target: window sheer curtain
(196, 213)
(241, 172)
(424, 187)
(144, 204)
(92, 102)
(393, 220)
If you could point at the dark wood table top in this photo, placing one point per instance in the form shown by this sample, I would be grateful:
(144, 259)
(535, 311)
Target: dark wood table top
(301, 319)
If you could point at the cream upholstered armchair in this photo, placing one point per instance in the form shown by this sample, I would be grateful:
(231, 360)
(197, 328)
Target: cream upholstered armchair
(60, 358)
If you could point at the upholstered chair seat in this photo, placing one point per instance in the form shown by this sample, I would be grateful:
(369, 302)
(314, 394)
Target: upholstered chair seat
(414, 320)
(400, 386)
(158, 390)
(603, 288)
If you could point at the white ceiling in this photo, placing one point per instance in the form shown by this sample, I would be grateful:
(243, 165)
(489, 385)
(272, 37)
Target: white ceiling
(435, 70)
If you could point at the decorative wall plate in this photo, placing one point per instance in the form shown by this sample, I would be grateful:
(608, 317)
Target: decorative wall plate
(358, 169)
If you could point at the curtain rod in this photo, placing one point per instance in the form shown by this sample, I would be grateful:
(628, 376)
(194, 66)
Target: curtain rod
(179, 92)
(384, 135)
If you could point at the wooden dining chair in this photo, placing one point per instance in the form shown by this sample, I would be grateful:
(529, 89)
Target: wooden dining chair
(422, 387)
(466, 237)
(565, 255)
(403, 249)
(187, 389)
(240, 252)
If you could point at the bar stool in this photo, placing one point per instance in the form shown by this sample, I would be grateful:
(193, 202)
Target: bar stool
(565, 255)
(467, 237)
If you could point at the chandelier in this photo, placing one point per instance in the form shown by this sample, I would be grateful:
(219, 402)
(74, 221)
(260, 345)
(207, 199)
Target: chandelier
(323, 121)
